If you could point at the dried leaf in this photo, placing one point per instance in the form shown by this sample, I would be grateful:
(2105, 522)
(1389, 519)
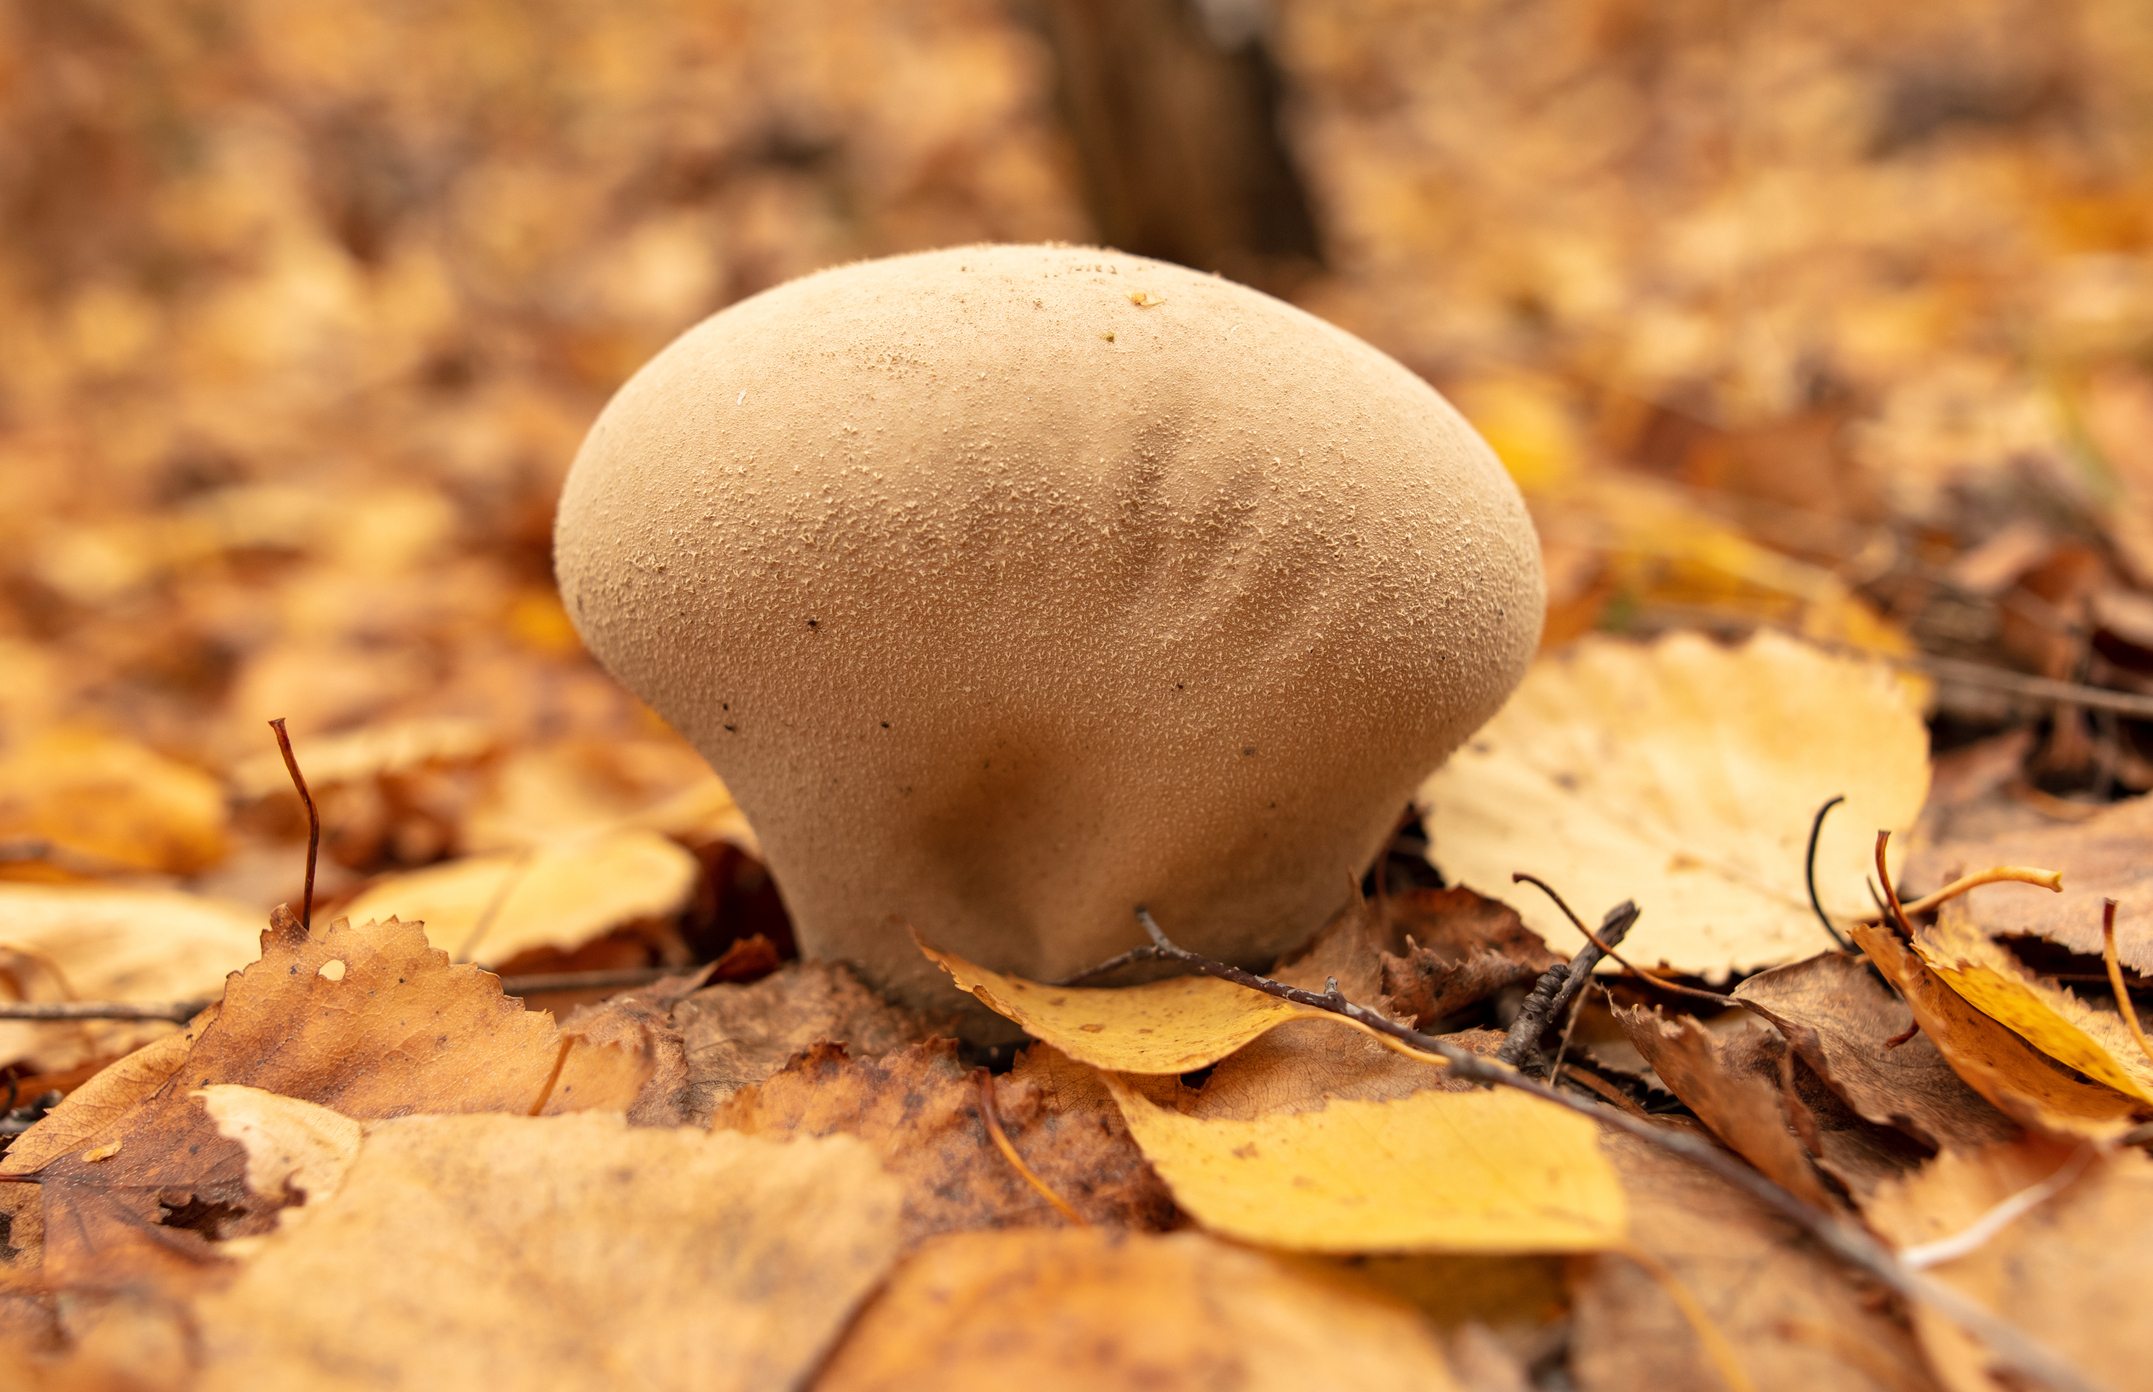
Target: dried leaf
(736, 1035)
(979, 1312)
(562, 895)
(293, 1147)
(112, 801)
(2022, 1082)
(1172, 1026)
(1684, 776)
(2095, 1042)
(1742, 1108)
(484, 1251)
(2102, 857)
(919, 1109)
(1841, 1019)
(2073, 1270)
(82, 942)
(1490, 1172)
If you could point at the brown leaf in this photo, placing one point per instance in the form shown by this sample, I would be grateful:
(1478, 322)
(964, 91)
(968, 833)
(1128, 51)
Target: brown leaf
(1742, 1108)
(2102, 857)
(1422, 955)
(2073, 1270)
(736, 1035)
(985, 1312)
(1795, 1318)
(1839, 1018)
(919, 1109)
(501, 1251)
(2024, 1084)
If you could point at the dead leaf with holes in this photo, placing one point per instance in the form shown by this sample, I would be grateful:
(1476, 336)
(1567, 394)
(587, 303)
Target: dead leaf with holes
(559, 895)
(92, 942)
(367, 1021)
(2023, 1083)
(1494, 1172)
(921, 1111)
(2071, 1259)
(2051, 1018)
(980, 1312)
(467, 1251)
(1684, 775)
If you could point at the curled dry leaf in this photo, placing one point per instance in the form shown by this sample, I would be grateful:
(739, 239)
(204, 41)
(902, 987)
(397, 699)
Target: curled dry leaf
(1842, 1022)
(1172, 1026)
(469, 1251)
(919, 1109)
(1684, 775)
(1487, 1172)
(2051, 1018)
(2023, 1083)
(560, 895)
(112, 802)
(85, 942)
(1742, 1108)
(2102, 857)
(293, 1147)
(982, 1312)
(2075, 1266)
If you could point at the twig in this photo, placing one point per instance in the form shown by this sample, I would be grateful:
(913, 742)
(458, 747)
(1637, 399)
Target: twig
(1809, 874)
(1893, 911)
(1606, 948)
(291, 766)
(2011, 1346)
(1995, 874)
(1975, 1235)
(181, 1011)
(989, 1114)
(1577, 1008)
(2115, 976)
(1559, 984)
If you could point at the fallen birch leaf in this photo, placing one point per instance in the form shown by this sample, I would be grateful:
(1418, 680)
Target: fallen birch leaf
(561, 895)
(88, 942)
(2102, 857)
(734, 1035)
(1841, 1020)
(919, 1108)
(494, 1251)
(292, 1147)
(1173, 1026)
(2073, 1268)
(1684, 775)
(2095, 1042)
(1797, 1319)
(2023, 1083)
(1492, 1172)
(112, 800)
(1085, 1309)
(1741, 1108)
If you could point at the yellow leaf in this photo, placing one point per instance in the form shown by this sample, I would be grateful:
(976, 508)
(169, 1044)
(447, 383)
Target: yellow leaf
(1490, 1172)
(2095, 1042)
(490, 908)
(1684, 775)
(1173, 1026)
(112, 800)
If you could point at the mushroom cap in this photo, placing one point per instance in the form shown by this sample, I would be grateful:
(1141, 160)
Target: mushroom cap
(1012, 587)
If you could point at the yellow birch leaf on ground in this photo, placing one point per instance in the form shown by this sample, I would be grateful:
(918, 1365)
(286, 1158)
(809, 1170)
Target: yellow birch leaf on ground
(562, 895)
(559, 1253)
(1490, 1172)
(112, 800)
(1684, 775)
(88, 942)
(2095, 1042)
(2024, 1084)
(2072, 1269)
(1172, 1026)
(1084, 1308)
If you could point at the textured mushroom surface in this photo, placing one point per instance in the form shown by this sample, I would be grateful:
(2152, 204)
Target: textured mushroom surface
(1011, 587)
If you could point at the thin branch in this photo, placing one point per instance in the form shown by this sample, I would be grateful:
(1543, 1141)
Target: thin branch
(1606, 948)
(1559, 984)
(181, 1011)
(2011, 1346)
(1809, 874)
(2115, 976)
(291, 766)
(1995, 874)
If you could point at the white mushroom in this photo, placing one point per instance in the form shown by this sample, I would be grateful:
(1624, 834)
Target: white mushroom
(1011, 587)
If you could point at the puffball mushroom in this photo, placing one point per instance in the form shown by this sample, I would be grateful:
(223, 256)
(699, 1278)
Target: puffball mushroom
(1012, 587)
